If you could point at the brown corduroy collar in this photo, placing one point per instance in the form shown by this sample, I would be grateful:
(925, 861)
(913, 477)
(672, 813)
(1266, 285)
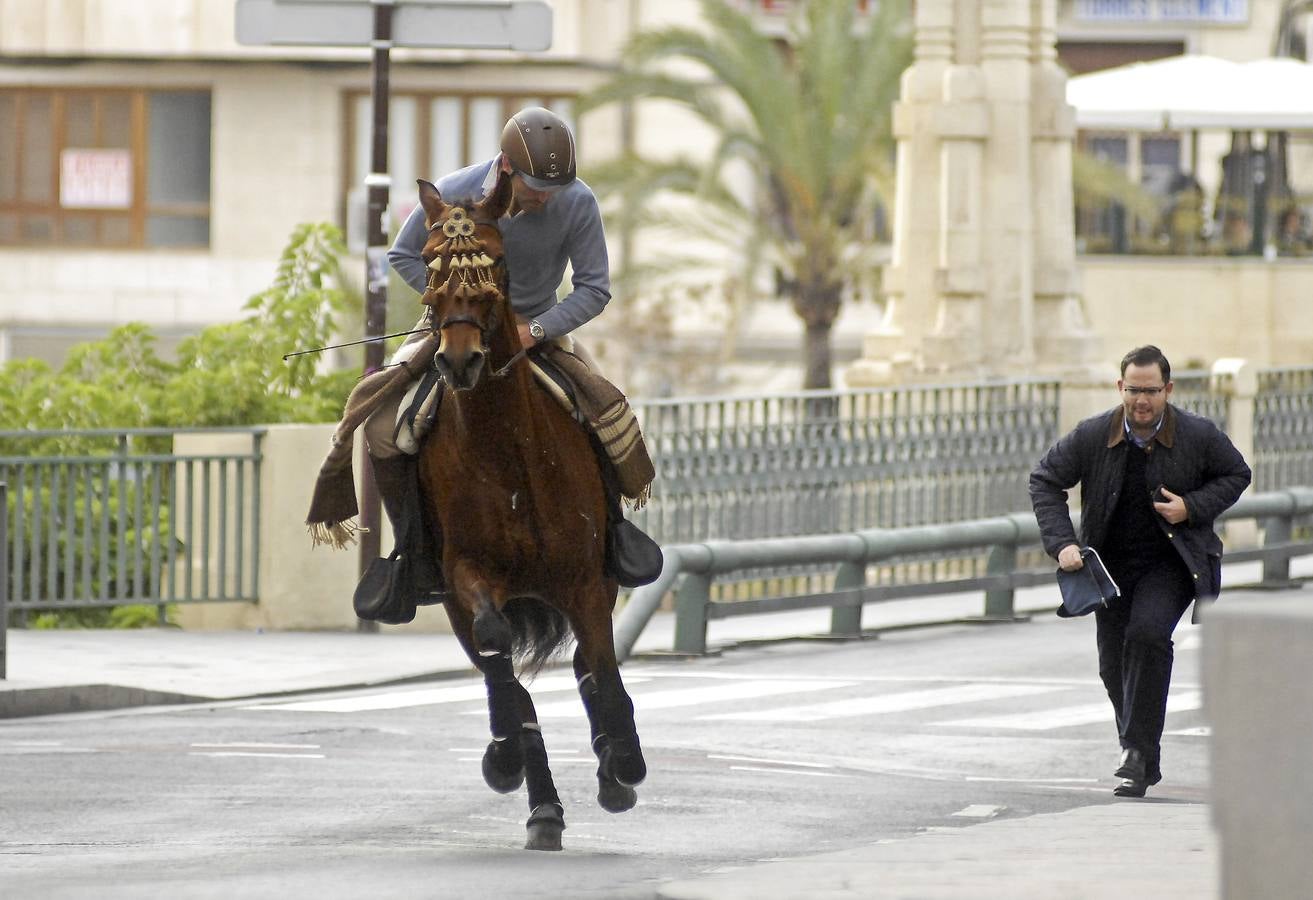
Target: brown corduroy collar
(1165, 436)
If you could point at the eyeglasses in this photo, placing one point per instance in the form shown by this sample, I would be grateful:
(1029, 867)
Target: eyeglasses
(1149, 392)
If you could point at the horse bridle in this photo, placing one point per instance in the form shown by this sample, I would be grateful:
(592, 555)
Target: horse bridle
(466, 319)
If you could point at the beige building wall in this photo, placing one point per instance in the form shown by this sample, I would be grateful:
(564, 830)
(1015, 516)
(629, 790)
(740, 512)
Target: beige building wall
(278, 144)
(301, 587)
(1202, 310)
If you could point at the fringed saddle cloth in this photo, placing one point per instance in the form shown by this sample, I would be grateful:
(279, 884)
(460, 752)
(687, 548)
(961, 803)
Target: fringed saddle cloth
(605, 411)
(333, 503)
(589, 397)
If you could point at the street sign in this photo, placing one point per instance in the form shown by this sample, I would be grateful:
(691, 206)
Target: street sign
(463, 24)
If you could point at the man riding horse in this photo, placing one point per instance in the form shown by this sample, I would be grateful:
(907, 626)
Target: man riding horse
(525, 520)
(553, 220)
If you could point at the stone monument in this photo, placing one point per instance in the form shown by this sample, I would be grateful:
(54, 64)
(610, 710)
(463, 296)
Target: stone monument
(983, 277)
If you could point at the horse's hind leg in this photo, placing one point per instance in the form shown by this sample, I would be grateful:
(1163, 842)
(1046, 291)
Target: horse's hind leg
(503, 763)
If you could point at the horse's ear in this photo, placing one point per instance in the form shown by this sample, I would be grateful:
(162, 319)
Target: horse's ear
(431, 200)
(494, 206)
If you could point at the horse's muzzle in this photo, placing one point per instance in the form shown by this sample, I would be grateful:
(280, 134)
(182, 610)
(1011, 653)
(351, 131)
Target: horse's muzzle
(460, 371)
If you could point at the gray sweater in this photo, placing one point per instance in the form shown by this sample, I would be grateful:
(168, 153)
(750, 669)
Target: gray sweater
(538, 245)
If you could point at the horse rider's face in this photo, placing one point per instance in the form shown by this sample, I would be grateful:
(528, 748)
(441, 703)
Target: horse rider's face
(1144, 395)
(526, 197)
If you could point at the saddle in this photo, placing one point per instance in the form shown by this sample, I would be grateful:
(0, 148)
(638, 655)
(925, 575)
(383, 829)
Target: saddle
(594, 402)
(632, 557)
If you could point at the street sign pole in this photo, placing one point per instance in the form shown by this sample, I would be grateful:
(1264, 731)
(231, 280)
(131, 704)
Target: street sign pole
(378, 185)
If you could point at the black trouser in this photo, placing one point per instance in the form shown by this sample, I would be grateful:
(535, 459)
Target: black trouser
(1135, 647)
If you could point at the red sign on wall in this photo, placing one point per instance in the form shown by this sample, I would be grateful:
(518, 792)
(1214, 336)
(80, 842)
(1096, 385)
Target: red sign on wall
(95, 179)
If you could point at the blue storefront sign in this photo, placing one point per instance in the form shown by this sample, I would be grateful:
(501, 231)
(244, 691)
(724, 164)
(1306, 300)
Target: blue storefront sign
(1209, 12)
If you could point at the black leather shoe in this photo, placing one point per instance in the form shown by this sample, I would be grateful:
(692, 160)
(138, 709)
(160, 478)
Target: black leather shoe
(1130, 788)
(1132, 766)
(1135, 774)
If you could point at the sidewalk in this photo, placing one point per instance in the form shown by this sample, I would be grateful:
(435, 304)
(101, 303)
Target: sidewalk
(69, 671)
(78, 670)
(1132, 848)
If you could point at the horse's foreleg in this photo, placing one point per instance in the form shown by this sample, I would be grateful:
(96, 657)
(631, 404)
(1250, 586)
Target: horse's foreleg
(546, 814)
(503, 763)
(611, 718)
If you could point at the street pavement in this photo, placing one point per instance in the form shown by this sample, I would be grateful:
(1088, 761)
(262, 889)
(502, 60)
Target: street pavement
(1162, 848)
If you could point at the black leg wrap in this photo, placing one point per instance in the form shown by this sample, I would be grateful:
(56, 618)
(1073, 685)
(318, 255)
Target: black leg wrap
(626, 763)
(537, 772)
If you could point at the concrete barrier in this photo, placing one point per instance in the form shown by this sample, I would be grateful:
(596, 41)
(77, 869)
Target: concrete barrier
(1257, 662)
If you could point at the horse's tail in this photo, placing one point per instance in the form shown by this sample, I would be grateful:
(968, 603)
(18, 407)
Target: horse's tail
(540, 630)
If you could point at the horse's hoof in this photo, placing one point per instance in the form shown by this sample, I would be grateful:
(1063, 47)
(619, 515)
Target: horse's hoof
(615, 797)
(499, 781)
(545, 825)
(624, 762)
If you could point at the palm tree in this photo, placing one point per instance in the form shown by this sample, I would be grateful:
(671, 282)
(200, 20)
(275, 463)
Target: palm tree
(811, 118)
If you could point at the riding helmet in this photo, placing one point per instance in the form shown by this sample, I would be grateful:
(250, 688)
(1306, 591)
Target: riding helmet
(540, 148)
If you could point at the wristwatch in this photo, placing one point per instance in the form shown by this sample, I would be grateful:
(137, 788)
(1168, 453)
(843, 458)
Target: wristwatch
(536, 331)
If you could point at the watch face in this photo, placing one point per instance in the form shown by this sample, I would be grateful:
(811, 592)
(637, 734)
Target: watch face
(536, 331)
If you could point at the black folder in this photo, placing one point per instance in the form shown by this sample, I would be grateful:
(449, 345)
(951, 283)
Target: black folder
(1086, 589)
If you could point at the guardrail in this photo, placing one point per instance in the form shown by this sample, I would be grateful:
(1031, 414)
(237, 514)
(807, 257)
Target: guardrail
(700, 564)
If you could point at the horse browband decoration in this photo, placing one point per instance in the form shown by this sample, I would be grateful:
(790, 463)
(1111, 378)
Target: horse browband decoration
(472, 270)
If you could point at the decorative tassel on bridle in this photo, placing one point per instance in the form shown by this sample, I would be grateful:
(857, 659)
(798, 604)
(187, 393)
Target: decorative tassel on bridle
(471, 271)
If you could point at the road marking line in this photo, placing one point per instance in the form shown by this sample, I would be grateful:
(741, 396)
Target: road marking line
(681, 697)
(773, 762)
(236, 745)
(980, 811)
(425, 697)
(1066, 717)
(1199, 731)
(888, 703)
(259, 755)
(1032, 780)
(554, 760)
(787, 772)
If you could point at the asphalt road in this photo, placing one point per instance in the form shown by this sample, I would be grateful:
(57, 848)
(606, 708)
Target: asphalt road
(772, 750)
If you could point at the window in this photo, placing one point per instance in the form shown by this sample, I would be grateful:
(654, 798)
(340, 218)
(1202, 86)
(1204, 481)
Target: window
(429, 135)
(104, 168)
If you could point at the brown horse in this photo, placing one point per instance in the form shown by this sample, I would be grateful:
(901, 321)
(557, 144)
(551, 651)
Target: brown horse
(512, 481)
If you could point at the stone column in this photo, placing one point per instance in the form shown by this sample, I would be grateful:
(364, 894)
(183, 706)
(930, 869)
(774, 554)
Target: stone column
(983, 278)
(909, 279)
(1063, 340)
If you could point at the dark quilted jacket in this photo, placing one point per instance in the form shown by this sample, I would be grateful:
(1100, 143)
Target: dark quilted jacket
(1193, 458)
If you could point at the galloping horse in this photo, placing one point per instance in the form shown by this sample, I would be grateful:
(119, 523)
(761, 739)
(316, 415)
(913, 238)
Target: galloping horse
(514, 484)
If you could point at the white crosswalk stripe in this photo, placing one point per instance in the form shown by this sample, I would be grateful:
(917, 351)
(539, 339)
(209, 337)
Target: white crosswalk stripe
(421, 697)
(732, 692)
(905, 701)
(1066, 717)
(739, 690)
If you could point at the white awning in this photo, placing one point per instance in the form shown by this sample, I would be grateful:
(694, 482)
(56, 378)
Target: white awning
(1187, 92)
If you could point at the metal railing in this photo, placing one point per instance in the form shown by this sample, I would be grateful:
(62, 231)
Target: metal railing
(1204, 394)
(1283, 428)
(853, 553)
(4, 581)
(826, 461)
(102, 518)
